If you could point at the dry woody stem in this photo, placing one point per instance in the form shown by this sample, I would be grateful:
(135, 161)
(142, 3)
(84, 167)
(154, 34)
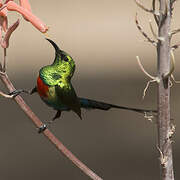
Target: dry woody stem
(164, 121)
(164, 73)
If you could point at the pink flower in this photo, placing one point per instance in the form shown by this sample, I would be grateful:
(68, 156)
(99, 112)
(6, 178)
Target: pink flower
(25, 10)
(3, 19)
(25, 5)
(35, 21)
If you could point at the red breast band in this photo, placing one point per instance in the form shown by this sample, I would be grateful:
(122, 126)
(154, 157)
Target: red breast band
(42, 88)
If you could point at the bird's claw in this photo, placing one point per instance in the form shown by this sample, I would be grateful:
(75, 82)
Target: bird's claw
(33, 90)
(42, 128)
(16, 92)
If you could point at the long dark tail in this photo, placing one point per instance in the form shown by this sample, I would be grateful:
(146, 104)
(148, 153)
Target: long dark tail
(92, 104)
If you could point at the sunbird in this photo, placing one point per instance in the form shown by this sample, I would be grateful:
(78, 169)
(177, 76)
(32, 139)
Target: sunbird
(56, 90)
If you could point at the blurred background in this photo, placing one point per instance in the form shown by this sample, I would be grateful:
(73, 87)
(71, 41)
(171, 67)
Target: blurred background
(102, 38)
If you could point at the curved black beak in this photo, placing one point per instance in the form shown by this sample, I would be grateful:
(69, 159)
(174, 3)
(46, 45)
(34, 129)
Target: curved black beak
(57, 49)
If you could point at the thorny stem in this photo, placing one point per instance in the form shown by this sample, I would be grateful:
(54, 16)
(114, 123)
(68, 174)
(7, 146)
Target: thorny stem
(47, 133)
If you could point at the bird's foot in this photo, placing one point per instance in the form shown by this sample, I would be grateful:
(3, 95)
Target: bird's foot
(17, 92)
(58, 114)
(34, 90)
(42, 128)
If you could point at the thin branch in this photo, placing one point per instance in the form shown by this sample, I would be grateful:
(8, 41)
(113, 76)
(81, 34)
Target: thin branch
(47, 133)
(156, 17)
(143, 33)
(143, 70)
(152, 30)
(175, 32)
(144, 8)
(147, 86)
(173, 78)
(163, 159)
(166, 8)
(153, 79)
(6, 95)
(174, 47)
(5, 59)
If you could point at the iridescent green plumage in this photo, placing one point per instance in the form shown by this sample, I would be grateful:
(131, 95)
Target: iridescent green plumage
(57, 77)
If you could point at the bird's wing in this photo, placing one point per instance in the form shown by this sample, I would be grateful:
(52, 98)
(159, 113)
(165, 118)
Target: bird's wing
(68, 97)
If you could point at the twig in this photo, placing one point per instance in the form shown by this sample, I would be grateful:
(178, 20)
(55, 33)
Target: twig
(156, 17)
(144, 8)
(143, 33)
(147, 86)
(173, 78)
(174, 47)
(153, 78)
(5, 59)
(175, 32)
(6, 95)
(152, 30)
(143, 70)
(163, 159)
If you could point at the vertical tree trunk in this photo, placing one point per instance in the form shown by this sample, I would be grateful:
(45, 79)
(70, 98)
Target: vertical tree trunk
(164, 124)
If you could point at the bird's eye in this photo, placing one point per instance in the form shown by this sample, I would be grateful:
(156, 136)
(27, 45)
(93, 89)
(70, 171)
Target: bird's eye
(65, 59)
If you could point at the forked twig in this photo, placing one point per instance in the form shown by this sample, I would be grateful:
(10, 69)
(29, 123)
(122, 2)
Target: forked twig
(147, 86)
(163, 159)
(146, 9)
(156, 17)
(143, 33)
(153, 78)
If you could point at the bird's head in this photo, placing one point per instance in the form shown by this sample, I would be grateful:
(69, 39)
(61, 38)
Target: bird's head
(63, 62)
